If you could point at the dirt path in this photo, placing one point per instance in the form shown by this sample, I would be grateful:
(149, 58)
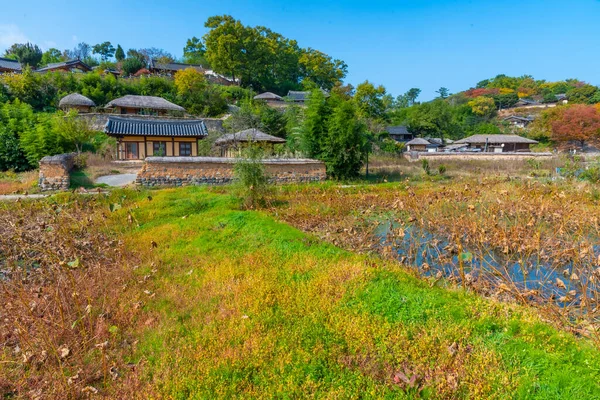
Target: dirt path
(117, 180)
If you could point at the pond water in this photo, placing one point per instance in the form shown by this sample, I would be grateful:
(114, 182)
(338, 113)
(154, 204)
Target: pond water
(431, 254)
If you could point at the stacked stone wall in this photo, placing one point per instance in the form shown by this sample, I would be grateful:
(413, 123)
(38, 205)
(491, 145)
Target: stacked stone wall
(183, 171)
(54, 172)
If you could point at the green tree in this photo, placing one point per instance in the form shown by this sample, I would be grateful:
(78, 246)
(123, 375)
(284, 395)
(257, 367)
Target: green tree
(432, 119)
(28, 54)
(51, 56)
(44, 138)
(272, 121)
(226, 45)
(583, 94)
(16, 119)
(131, 65)
(119, 53)
(443, 92)
(74, 130)
(321, 69)
(369, 101)
(194, 52)
(105, 49)
(411, 96)
(344, 149)
(505, 100)
(314, 128)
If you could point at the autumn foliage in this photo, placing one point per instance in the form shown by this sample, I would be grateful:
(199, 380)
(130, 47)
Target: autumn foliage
(579, 124)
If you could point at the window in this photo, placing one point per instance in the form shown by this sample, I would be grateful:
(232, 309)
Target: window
(185, 149)
(159, 149)
(131, 151)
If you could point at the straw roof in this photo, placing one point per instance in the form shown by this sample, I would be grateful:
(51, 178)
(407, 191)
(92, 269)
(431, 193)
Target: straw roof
(418, 141)
(478, 139)
(267, 96)
(76, 99)
(144, 102)
(248, 135)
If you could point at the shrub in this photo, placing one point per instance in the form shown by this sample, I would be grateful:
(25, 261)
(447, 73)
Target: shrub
(592, 173)
(252, 180)
(441, 169)
(425, 165)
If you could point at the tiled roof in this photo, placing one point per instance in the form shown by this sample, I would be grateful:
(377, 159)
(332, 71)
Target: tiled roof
(302, 96)
(7, 63)
(69, 63)
(143, 127)
(249, 135)
(397, 130)
(173, 66)
(496, 139)
(144, 102)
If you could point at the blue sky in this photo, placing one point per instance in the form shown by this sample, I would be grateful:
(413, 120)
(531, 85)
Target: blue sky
(399, 44)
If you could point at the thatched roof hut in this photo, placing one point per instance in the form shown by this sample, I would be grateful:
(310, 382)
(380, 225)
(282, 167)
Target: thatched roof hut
(248, 135)
(232, 143)
(131, 104)
(76, 101)
(268, 96)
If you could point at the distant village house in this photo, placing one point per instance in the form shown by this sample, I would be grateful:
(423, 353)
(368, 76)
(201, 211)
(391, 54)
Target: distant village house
(399, 133)
(144, 105)
(66, 66)
(231, 145)
(76, 101)
(497, 143)
(8, 65)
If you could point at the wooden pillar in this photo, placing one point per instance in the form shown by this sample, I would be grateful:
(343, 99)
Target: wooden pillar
(173, 145)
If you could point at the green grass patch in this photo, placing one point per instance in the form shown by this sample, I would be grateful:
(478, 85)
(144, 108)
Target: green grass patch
(246, 306)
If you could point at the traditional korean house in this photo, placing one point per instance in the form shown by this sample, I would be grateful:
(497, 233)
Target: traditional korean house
(422, 145)
(301, 97)
(171, 68)
(497, 143)
(232, 144)
(66, 66)
(144, 105)
(399, 133)
(519, 122)
(271, 99)
(8, 66)
(141, 138)
(76, 101)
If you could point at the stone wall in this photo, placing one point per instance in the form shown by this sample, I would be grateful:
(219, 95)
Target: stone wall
(54, 172)
(441, 156)
(182, 171)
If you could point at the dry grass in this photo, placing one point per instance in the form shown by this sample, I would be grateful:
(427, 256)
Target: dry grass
(511, 222)
(17, 183)
(67, 308)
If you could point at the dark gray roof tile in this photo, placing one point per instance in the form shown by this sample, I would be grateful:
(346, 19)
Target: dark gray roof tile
(117, 126)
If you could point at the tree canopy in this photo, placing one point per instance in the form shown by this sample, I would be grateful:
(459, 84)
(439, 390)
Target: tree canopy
(265, 60)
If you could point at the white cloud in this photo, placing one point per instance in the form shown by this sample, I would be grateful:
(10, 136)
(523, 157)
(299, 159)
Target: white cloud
(11, 34)
(74, 38)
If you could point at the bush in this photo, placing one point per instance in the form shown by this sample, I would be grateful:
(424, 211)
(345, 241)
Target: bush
(442, 169)
(425, 165)
(592, 173)
(252, 180)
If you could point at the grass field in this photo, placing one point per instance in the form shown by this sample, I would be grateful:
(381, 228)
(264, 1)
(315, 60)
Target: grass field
(226, 303)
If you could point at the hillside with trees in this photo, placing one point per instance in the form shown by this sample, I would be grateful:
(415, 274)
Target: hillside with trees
(340, 123)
